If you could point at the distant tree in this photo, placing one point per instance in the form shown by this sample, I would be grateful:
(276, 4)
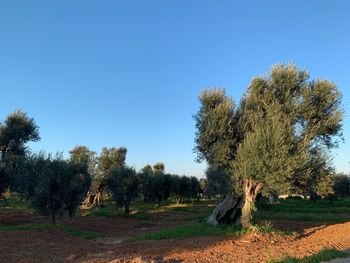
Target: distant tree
(109, 159)
(81, 154)
(284, 119)
(158, 191)
(203, 183)
(17, 130)
(57, 186)
(123, 184)
(321, 176)
(146, 177)
(185, 188)
(159, 167)
(176, 188)
(195, 188)
(341, 185)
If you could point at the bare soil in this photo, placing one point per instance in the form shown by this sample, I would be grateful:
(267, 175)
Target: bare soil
(56, 246)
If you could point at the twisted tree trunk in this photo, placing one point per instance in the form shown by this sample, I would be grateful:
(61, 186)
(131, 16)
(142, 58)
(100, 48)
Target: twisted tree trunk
(93, 198)
(237, 209)
(228, 211)
(251, 189)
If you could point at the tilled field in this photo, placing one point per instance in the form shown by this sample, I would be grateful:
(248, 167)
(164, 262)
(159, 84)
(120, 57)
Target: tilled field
(56, 246)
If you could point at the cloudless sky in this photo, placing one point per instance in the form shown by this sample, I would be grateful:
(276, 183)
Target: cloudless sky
(113, 73)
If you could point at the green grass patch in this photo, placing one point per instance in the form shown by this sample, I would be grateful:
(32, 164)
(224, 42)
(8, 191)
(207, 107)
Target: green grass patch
(323, 255)
(100, 212)
(306, 206)
(107, 212)
(81, 233)
(310, 217)
(304, 210)
(69, 230)
(198, 218)
(190, 230)
(28, 227)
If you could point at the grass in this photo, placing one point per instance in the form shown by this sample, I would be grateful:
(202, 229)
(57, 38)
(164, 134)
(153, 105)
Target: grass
(69, 230)
(28, 227)
(81, 233)
(304, 210)
(297, 216)
(322, 256)
(301, 206)
(203, 229)
(198, 218)
(190, 230)
(108, 212)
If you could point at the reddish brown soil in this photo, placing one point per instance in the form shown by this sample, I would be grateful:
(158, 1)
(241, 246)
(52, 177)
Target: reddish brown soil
(55, 246)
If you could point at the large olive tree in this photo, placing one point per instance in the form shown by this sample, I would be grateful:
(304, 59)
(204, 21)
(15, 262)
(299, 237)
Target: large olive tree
(272, 141)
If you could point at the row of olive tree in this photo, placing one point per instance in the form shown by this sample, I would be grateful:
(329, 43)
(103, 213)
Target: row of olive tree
(51, 184)
(276, 140)
(110, 174)
(155, 185)
(159, 186)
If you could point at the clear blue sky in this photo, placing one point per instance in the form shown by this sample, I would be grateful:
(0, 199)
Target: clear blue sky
(112, 73)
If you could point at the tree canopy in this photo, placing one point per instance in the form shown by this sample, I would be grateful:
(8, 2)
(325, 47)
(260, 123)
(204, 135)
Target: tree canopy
(276, 139)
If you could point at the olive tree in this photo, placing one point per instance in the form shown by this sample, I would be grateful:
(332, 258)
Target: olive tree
(124, 185)
(100, 167)
(15, 132)
(269, 141)
(57, 185)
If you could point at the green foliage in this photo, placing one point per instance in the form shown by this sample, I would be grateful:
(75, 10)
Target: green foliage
(342, 185)
(17, 130)
(159, 167)
(159, 186)
(267, 154)
(81, 154)
(124, 185)
(57, 185)
(276, 140)
(111, 158)
(324, 255)
(216, 135)
(309, 111)
(146, 177)
(218, 180)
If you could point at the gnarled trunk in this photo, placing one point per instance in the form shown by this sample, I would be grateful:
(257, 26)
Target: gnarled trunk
(251, 189)
(227, 212)
(237, 209)
(93, 198)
